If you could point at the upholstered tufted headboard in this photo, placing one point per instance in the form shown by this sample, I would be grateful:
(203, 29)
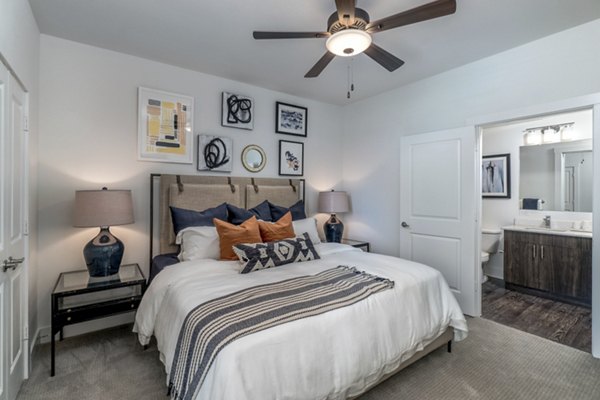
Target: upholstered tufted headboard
(196, 192)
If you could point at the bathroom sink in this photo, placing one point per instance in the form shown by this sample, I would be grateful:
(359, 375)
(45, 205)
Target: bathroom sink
(543, 229)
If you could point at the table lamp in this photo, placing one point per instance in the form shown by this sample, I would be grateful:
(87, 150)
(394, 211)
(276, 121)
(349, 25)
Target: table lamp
(333, 202)
(103, 208)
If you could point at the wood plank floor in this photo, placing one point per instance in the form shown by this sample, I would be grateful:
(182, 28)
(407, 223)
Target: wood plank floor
(560, 322)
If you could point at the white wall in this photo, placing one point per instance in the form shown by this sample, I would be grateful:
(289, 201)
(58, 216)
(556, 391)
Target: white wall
(20, 47)
(88, 139)
(524, 76)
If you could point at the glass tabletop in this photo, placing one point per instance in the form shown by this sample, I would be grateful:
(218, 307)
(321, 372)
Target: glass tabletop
(81, 280)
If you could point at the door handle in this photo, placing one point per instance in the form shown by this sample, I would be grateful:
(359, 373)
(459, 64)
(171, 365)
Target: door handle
(533, 251)
(11, 263)
(405, 225)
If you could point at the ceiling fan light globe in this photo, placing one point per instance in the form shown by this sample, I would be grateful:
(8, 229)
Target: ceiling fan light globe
(348, 42)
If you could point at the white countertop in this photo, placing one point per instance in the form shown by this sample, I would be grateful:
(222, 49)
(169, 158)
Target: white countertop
(547, 231)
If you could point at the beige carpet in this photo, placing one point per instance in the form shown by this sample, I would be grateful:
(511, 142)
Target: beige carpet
(494, 362)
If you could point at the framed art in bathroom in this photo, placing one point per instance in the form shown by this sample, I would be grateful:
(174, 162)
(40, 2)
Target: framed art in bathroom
(495, 176)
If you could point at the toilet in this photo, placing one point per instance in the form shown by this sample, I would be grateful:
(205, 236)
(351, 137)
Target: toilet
(490, 240)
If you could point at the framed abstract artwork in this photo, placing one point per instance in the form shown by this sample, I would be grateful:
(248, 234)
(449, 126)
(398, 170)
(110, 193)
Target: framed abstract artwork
(290, 119)
(215, 153)
(237, 111)
(165, 126)
(495, 176)
(291, 158)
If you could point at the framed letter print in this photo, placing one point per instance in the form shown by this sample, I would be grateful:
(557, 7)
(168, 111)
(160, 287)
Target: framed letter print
(215, 153)
(291, 158)
(237, 111)
(165, 126)
(495, 176)
(290, 119)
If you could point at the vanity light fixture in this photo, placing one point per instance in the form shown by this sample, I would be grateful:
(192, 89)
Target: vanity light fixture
(548, 134)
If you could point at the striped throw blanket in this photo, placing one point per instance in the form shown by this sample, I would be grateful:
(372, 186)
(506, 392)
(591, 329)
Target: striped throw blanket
(209, 327)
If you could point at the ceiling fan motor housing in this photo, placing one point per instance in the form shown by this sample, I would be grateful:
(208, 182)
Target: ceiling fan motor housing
(361, 20)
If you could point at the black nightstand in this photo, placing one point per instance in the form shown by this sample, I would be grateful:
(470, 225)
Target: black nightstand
(77, 297)
(365, 246)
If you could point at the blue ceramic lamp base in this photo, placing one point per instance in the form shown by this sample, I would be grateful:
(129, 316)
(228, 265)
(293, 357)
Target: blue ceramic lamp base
(103, 254)
(333, 229)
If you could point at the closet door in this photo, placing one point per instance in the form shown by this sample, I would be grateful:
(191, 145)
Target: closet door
(13, 237)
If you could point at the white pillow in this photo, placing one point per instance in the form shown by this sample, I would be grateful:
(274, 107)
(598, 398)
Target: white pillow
(198, 242)
(308, 225)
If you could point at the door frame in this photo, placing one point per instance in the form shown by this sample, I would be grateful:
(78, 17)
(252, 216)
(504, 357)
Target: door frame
(587, 102)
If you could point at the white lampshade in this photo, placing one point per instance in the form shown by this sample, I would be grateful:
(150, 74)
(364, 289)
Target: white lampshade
(333, 202)
(97, 208)
(348, 42)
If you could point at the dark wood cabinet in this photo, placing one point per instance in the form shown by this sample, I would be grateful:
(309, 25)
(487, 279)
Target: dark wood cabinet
(553, 266)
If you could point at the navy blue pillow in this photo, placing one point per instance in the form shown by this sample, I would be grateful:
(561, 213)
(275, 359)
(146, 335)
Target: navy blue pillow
(263, 211)
(183, 218)
(238, 215)
(297, 211)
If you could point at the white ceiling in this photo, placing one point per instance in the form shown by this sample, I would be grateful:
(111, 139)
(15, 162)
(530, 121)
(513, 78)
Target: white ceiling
(215, 37)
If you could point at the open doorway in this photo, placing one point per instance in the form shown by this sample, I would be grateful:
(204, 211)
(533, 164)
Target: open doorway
(537, 225)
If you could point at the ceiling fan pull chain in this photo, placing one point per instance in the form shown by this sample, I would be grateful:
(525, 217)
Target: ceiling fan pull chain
(352, 74)
(348, 81)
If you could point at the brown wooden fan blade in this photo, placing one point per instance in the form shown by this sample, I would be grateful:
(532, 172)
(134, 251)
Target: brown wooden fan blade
(385, 59)
(345, 10)
(289, 35)
(427, 11)
(320, 65)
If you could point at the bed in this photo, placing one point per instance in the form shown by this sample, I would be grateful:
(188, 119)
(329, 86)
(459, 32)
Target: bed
(339, 354)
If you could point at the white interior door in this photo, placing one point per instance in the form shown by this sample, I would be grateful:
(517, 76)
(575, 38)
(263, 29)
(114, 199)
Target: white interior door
(437, 208)
(13, 276)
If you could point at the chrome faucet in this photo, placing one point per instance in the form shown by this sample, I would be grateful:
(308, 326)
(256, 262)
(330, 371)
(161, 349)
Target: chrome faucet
(547, 223)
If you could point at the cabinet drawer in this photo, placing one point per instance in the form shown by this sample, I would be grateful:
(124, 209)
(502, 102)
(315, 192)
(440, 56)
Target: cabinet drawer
(80, 314)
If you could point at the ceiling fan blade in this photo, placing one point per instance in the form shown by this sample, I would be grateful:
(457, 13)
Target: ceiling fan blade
(289, 35)
(320, 65)
(435, 9)
(345, 10)
(385, 59)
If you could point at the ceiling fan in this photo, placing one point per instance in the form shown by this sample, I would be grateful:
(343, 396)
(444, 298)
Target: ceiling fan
(349, 32)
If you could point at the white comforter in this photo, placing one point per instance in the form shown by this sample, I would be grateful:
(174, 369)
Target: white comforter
(329, 356)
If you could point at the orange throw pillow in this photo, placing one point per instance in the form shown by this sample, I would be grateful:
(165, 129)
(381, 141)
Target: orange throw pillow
(230, 235)
(275, 231)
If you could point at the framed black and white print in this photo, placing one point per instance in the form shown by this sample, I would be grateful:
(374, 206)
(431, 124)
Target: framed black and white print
(495, 176)
(215, 153)
(290, 119)
(291, 158)
(237, 111)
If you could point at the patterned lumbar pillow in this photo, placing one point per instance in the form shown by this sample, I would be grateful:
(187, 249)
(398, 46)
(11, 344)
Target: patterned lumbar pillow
(255, 256)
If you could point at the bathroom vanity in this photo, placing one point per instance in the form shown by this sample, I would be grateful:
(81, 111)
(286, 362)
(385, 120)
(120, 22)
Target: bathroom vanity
(549, 263)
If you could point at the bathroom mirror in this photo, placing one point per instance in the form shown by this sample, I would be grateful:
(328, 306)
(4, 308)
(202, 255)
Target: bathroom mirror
(558, 174)
(254, 158)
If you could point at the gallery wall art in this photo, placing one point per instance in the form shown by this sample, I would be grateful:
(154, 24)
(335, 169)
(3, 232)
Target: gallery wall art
(165, 126)
(291, 119)
(215, 153)
(495, 176)
(291, 158)
(237, 111)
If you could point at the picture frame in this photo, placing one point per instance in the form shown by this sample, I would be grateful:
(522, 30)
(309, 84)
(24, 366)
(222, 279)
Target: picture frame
(291, 119)
(495, 176)
(237, 111)
(291, 158)
(165, 126)
(215, 153)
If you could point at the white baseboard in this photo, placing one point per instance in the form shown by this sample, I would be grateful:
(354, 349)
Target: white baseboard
(33, 341)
